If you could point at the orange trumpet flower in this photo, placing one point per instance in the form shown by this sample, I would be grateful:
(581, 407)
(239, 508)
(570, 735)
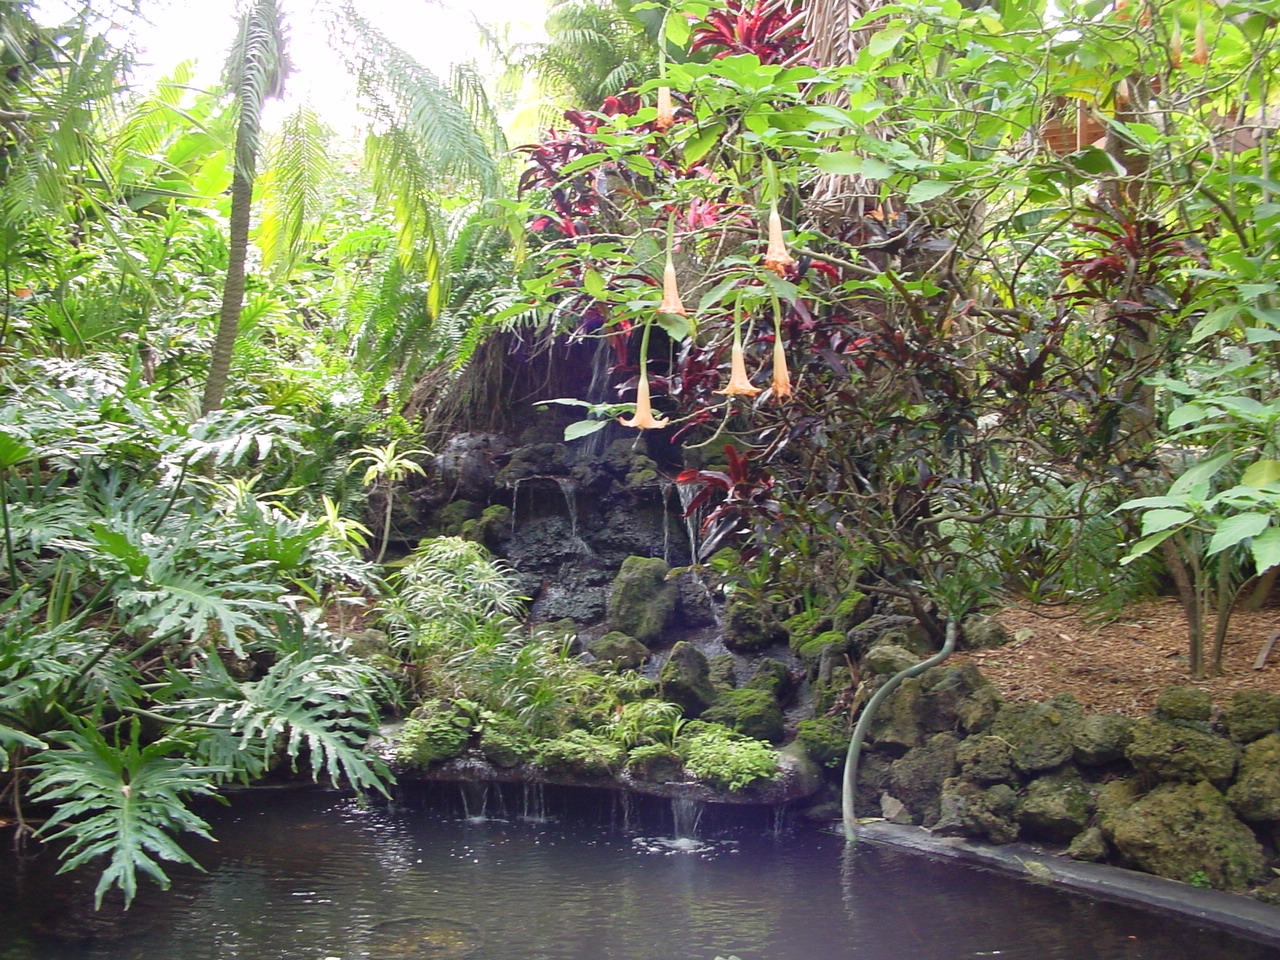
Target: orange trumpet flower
(781, 376)
(776, 257)
(1200, 55)
(739, 384)
(666, 110)
(644, 418)
(671, 302)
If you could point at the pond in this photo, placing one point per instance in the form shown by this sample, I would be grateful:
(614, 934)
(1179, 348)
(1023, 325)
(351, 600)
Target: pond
(312, 875)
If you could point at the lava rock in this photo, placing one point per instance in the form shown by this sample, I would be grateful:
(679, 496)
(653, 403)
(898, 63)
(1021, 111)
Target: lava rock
(968, 810)
(1039, 734)
(1170, 751)
(1101, 738)
(1255, 796)
(1252, 714)
(686, 679)
(917, 777)
(643, 599)
(1056, 807)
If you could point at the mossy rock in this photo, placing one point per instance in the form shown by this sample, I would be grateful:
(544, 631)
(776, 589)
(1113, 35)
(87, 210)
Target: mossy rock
(773, 677)
(434, 731)
(1171, 751)
(854, 607)
(1101, 738)
(1252, 714)
(1184, 703)
(505, 742)
(825, 740)
(985, 760)
(448, 520)
(896, 726)
(724, 671)
(887, 659)
(1255, 796)
(1039, 734)
(966, 809)
(490, 527)
(917, 777)
(686, 679)
(1088, 845)
(750, 627)
(642, 599)
(579, 752)
(983, 633)
(1056, 807)
(751, 712)
(806, 625)
(948, 696)
(1180, 831)
(655, 763)
(619, 651)
(812, 649)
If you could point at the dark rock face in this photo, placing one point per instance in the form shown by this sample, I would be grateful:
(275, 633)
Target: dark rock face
(467, 465)
(1180, 830)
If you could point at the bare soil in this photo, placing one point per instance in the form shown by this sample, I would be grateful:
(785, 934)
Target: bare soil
(1121, 665)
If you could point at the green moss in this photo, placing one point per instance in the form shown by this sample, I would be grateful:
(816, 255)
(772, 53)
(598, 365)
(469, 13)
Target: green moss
(824, 739)
(581, 753)
(656, 763)
(505, 742)
(436, 731)
(726, 759)
(489, 527)
(811, 649)
(753, 713)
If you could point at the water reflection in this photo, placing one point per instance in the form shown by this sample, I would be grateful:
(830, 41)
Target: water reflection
(309, 876)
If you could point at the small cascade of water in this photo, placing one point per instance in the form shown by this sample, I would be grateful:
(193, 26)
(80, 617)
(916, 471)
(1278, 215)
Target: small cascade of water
(475, 799)
(687, 814)
(570, 491)
(782, 820)
(533, 803)
(515, 500)
(686, 493)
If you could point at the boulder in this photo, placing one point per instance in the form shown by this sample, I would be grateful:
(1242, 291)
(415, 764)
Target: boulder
(724, 670)
(1184, 703)
(1039, 734)
(985, 760)
(1101, 738)
(982, 633)
(900, 631)
(620, 651)
(896, 727)
(917, 777)
(968, 810)
(1088, 845)
(751, 712)
(1171, 751)
(642, 599)
(686, 679)
(1252, 714)
(1056, 807)
(1255, 796)
(751, 626)
(1180, 830)
(947, 696)
(888, 659)
(825, 740)
(772, 677)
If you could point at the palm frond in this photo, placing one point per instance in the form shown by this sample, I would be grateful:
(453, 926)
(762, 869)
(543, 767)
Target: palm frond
(295, 187)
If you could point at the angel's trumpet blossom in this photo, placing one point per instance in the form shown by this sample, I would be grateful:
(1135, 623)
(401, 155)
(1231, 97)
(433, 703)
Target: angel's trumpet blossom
(776, 257)
(666, 110)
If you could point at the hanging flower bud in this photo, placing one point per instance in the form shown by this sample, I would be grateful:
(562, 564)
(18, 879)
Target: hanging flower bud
(666, 110)
(776, 257)
(1175, 44)
(781, 376)
(1201, 54)
(671, 302)
(644, 418)
(739, 384)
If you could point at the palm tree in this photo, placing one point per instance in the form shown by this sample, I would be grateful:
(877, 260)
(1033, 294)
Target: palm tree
(256, 71)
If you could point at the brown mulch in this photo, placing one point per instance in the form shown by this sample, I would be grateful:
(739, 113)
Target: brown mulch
(1121, 665)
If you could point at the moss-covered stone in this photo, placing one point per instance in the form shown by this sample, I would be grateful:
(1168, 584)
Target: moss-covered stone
(896, 726)
(619, 650)
(813, 648)
(887, 659)
(505, 742)
(1056, 807)
(982, 633)
(686, 679)
(724, 671)
(1252, 714)
(806, 625)
(985, 760)
(434, 731)
(1101, 738)
(1171, 751)
(1039, 734)
(1180, 830)
(947, 690)
(977, 712)
(1255, 796)
(655, 763)
(917, 777)
(447, 520)
(642, 599)
(968, 810)
(824, 739)
(1088, 845)
(1184, 703)
(750, 626)
(489, 527)
(854, 607)
(751, 712)
(579, 752)
(773, 678)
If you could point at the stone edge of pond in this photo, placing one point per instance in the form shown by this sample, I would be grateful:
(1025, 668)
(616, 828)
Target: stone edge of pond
(1232, 912)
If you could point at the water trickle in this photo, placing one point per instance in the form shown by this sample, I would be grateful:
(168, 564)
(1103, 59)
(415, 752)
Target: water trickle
(687, 814)
(533, 804)
(475, 799)
(570, 491)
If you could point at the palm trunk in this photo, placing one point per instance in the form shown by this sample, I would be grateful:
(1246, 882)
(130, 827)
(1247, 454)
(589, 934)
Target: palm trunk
(215, 387)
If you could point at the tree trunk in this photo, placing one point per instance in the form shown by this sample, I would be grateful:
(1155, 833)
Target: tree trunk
(215, 387)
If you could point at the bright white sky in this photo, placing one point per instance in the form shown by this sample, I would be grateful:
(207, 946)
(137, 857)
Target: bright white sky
(437, 33)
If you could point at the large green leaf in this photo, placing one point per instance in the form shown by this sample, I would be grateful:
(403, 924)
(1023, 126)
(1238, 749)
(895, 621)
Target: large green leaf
(1236, 529)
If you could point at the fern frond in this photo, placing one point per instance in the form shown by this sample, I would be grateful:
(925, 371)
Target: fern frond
(295, 187)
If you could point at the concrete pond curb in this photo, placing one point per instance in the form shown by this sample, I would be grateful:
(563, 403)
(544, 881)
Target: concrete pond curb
(1232, 912)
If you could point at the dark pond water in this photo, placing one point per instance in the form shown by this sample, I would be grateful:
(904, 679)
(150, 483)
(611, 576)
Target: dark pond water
(311, 875)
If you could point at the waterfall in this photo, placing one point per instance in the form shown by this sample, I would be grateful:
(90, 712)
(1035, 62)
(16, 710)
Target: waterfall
(475, 798)
(687, 814)
(569, 489)
(533, 803)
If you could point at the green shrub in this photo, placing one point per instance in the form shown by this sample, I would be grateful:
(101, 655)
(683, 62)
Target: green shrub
(505, 742)
(726, 759)
(582, 753)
